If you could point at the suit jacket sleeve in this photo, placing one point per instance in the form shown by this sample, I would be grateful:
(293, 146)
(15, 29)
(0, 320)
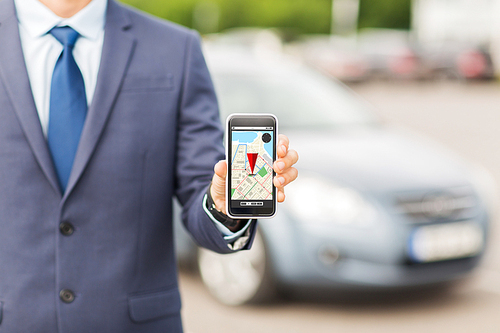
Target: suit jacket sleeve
(199, 147)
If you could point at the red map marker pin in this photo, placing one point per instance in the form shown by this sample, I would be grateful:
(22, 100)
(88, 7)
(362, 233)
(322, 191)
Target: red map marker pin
(252, 158)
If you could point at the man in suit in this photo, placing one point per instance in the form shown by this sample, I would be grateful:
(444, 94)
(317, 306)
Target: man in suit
(105, 115)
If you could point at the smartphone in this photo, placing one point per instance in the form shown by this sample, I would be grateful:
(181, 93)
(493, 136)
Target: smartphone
(251, 152)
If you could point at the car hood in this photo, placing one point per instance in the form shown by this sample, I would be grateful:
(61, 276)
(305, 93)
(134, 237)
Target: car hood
(379, 159)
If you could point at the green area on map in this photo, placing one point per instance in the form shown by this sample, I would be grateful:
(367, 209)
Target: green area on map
(232, 192)
(262, 172)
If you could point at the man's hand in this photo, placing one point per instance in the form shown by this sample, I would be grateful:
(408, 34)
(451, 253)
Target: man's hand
(283, 166)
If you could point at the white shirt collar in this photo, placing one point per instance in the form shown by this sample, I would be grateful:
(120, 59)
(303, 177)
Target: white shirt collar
(37, 19)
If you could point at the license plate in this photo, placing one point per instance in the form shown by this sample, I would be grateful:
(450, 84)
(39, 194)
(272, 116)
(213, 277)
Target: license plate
(445, 241)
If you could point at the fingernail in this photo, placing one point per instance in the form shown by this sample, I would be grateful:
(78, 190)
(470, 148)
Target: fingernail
(281, 180)
(280, 165)
(283, 147)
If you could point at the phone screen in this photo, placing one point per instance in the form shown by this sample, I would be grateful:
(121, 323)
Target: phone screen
(252, 153)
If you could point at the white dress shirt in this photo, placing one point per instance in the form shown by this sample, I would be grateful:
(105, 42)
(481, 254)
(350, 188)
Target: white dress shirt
(41, 50)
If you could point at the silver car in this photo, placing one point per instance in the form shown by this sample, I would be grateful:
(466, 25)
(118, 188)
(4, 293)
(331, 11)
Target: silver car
(373, 207)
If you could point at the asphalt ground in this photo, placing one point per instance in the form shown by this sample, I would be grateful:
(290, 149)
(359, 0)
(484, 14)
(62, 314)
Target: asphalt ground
(465, 117)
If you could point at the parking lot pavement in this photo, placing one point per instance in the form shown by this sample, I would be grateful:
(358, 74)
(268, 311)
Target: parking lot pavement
(463, 117)
(466, 309)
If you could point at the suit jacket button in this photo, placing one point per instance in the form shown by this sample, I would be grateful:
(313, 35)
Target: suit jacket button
(67, 296)
(66, 228)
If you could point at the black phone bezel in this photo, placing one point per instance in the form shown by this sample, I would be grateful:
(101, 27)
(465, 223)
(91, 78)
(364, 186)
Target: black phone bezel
(250, 121)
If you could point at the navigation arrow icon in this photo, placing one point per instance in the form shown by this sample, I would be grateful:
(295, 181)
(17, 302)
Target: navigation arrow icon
(252, 158)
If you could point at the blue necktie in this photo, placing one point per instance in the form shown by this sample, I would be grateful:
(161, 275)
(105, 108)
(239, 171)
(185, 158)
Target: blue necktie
(68, 106)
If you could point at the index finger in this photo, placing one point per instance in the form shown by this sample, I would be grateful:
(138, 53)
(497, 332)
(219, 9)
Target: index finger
(283, 144)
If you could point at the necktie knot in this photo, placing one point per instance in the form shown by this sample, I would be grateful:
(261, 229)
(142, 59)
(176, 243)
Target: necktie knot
(65, 35)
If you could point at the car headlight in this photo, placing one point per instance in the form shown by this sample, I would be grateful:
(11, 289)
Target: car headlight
(313, 198)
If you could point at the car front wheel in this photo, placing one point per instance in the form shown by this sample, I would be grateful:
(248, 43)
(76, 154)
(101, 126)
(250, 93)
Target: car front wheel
(238, 278)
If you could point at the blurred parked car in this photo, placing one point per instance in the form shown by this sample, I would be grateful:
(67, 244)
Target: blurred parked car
(373, 53)
(258, 40)
(391, 54)
(457, 60)
(373, 207)
(337, 56)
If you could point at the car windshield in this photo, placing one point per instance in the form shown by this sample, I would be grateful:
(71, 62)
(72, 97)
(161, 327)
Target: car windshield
(300, 98)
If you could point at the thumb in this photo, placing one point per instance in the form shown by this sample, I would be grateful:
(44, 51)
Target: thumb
(218, 189)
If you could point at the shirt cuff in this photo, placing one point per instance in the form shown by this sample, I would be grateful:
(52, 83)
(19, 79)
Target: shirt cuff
(229, 236)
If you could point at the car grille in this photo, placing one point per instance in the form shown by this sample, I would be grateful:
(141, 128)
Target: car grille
(433, 206)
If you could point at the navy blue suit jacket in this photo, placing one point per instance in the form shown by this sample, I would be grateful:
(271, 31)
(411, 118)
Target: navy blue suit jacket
(152, 132)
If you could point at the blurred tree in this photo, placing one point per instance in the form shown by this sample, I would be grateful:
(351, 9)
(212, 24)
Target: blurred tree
(393, 14)
(206, 16)
(305, 16)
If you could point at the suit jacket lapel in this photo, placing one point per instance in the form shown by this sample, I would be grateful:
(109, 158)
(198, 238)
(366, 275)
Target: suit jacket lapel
(14, 74)
(117, 52)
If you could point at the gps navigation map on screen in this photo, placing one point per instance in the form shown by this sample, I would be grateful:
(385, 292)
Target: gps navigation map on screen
(251, 167)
